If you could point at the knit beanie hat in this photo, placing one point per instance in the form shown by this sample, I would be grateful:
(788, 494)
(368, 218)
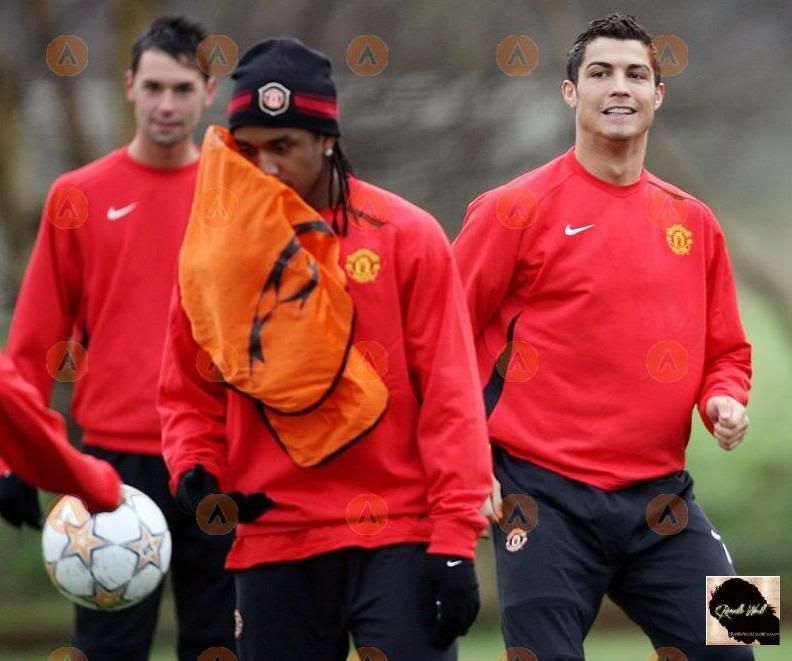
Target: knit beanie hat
(282, 82)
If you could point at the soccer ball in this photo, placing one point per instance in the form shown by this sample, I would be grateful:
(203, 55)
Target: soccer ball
(111, 560)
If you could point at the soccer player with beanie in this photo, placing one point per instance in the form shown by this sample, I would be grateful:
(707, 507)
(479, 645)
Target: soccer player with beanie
(100, 276)
(604, 310)
(346, 420)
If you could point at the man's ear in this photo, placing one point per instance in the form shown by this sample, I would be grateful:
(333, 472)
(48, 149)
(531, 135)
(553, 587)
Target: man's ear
(211, 91)
(569, 93)
(659, 95)
(129, 81)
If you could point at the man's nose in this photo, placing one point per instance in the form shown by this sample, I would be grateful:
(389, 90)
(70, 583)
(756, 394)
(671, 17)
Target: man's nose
(167, 101)
(268, 164)
(619, 84)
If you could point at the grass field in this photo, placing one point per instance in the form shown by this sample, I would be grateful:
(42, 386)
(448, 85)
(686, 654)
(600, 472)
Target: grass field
(620, 640)
(484, 644)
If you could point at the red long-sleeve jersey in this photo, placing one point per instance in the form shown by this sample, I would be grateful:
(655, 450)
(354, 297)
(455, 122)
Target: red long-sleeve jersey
(101, 273)
(33, 442)
(602, 314)
(424, 469)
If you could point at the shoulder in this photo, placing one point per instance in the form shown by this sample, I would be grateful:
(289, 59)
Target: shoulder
(694, 208)
(375, 206)
(522, 194)
(98, 172)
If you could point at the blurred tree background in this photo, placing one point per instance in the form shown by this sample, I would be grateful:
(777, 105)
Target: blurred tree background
(439, 125)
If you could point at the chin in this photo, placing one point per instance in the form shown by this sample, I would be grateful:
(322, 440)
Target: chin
(167, 140)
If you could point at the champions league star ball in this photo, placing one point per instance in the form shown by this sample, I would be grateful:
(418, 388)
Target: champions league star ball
(110, 560)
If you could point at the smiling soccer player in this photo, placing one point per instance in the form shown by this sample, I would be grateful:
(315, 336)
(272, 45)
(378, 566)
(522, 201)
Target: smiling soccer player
(604, 310)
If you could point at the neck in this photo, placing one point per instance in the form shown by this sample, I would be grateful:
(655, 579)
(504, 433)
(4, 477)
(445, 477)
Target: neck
(618, 162)
(320, 196)
(162, 157)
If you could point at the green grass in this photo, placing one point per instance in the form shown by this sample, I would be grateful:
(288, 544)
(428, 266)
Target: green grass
(484, 644)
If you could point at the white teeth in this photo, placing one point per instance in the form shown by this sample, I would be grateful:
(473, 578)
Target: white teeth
(619, 111)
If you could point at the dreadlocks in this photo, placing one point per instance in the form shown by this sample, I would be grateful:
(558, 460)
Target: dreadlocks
(341, 168)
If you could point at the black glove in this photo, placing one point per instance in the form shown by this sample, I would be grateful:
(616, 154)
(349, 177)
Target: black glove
(196, 484)
(19, 502)
(456, 596)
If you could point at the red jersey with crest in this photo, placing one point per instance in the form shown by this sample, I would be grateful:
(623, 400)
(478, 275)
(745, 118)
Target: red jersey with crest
(101, 276)
(602, 314)
(421, 475)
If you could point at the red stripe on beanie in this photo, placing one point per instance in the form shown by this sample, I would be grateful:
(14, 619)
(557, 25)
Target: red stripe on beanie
(316, 105)
(241, 100)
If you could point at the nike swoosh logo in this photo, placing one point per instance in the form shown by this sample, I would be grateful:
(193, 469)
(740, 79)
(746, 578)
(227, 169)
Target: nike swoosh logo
(715, 535)
(571, 231)
(115, 214)
(453, 563)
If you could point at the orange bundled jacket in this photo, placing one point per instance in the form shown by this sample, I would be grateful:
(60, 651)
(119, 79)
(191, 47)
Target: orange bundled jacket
(266, 298)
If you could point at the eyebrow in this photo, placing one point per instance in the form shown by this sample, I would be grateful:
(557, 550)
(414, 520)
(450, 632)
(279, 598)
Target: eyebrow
(608, 65)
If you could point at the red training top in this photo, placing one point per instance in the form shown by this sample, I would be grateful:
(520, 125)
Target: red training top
(101, 273)
(424, 471)
(33, 442)
(602, 314)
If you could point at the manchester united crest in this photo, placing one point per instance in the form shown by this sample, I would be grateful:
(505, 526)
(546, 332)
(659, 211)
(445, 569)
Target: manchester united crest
(680, 239)
(516, 539)
(274, 98)
(363, 265)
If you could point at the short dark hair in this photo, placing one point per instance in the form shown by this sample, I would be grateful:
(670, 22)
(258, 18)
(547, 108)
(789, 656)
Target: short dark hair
(613, 26)
(175, 35)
